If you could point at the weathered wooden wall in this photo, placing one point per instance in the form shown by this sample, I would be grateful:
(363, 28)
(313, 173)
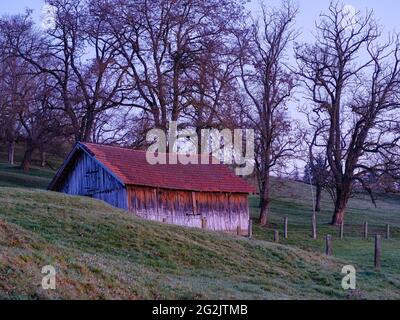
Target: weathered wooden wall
(86, 177)
(223, 211)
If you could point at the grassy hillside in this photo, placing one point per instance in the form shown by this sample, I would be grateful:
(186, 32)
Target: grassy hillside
(101, 252)
(37, 177)
(293, 199)
(13, 176)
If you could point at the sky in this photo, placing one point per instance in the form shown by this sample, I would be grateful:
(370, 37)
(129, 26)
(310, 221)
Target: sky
(386, 11)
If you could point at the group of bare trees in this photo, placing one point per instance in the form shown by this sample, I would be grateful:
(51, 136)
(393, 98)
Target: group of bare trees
(352, 78)
(25, 103)
(108, 71)
(118, 68)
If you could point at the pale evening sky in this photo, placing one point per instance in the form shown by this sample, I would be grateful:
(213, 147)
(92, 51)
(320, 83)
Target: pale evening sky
(386, 11)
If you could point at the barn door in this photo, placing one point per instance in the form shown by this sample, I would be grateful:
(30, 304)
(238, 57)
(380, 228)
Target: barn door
(91, 181)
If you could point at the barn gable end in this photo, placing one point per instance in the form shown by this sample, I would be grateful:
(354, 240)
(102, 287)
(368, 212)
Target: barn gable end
(84, 175)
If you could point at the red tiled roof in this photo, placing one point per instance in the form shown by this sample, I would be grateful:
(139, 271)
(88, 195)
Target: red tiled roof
(132, 168)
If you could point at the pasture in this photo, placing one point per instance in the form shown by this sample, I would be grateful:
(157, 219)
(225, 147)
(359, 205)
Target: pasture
(102, 253)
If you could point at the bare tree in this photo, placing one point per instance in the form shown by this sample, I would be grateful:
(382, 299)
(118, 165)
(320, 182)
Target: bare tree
(168, 48)
(215, 96)
(13, 88)
(77, 55)
(27, 111)
(353, 82)
(269, 84)
(41, 122)
(316, 172)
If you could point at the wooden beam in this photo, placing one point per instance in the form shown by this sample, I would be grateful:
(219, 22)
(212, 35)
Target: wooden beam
(328, 245)
(285, 227)
(377, 257)
(194, 204)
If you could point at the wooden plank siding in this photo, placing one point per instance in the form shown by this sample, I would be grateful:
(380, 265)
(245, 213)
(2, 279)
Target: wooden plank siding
(86, 177)
(223, 211)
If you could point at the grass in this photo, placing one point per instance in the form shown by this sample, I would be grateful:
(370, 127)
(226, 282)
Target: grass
(293, 199)
(13, 176)
(37, 177)
(100, 252)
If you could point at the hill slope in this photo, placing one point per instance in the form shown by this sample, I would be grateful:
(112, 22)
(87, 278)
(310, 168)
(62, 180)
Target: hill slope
(293, 199)
(13, 176)
(100, 252)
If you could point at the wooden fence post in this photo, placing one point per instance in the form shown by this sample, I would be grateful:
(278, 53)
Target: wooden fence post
(328, 245)
(341, 230)
(250, 228)
(314, 226)
(238, 230)
(377, 258)
(276, 236)
(387, 232)
(365, 230)
(204, 223)
(285, 223)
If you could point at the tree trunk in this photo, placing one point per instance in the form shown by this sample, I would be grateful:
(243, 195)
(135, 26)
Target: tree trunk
(11, 152)
(26, 161)
(318, 198)
(199, 141)
(342, 197)
(264, 198)
(260, 201)
(43, 159)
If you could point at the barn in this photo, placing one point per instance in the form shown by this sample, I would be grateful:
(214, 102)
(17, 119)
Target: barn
(194, 195)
